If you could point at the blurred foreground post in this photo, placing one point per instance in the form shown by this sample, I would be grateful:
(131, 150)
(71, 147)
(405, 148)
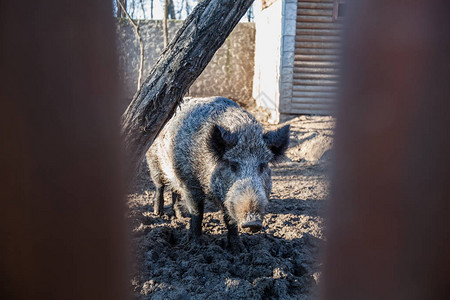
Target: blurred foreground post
(61, 210)
(389, 229)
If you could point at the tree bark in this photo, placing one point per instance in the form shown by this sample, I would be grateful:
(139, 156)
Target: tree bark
(203, 32)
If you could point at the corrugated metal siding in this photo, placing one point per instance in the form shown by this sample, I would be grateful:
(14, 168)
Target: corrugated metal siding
(316, 58)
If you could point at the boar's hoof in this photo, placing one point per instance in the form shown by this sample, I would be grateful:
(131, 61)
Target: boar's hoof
(235, 245)
(253, 226)
(196, 240)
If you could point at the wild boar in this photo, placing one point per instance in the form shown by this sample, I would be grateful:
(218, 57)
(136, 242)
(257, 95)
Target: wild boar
(212, 148)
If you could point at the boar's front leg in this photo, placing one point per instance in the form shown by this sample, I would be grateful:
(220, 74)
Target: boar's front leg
(195, 202)
(157, 178)
(234, 242)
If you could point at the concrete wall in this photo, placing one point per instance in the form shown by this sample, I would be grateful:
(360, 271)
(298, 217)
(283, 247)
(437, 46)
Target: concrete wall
(289, 15)
(229, 74)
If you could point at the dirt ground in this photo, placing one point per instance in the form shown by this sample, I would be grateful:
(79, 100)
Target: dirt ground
(281, 262)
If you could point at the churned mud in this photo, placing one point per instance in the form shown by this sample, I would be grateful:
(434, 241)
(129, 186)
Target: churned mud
(281, 262)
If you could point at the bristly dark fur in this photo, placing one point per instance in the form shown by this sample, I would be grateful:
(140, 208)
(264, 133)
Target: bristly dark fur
(222, 140)
(212, 148)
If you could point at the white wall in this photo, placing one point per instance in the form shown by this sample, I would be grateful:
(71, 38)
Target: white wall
(268, 46)
(274, 56)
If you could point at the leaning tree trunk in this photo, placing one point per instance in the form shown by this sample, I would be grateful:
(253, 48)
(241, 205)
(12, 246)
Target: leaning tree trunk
(203, 32)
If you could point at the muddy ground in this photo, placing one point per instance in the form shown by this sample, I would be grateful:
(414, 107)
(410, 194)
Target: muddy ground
(281, 262)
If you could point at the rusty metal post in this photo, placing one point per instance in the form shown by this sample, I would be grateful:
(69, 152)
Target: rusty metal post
(62, 205)
(388, 228)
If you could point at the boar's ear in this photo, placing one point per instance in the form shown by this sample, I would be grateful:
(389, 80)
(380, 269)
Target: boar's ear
(277, 141)
(222, 140)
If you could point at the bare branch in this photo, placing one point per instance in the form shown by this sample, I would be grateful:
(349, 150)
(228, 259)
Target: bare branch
(165, 30)
(151, 9)
(142, 8)
(141, 44)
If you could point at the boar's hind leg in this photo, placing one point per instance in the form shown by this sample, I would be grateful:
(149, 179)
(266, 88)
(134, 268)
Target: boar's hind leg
(158, 201)
(176, 205)
(195, 204)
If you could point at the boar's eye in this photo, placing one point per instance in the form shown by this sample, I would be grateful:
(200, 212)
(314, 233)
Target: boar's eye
(234, 167)
(262, 167)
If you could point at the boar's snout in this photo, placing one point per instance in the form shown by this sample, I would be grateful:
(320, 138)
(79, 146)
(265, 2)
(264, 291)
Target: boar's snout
(246, 202)
(252, 222)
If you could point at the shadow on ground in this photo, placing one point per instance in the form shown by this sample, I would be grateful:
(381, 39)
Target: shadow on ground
(170, 266)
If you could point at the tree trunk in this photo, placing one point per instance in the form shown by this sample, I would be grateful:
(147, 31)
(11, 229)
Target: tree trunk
(203, 32)
(151, 9)
(165, 29)
(171, 10)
